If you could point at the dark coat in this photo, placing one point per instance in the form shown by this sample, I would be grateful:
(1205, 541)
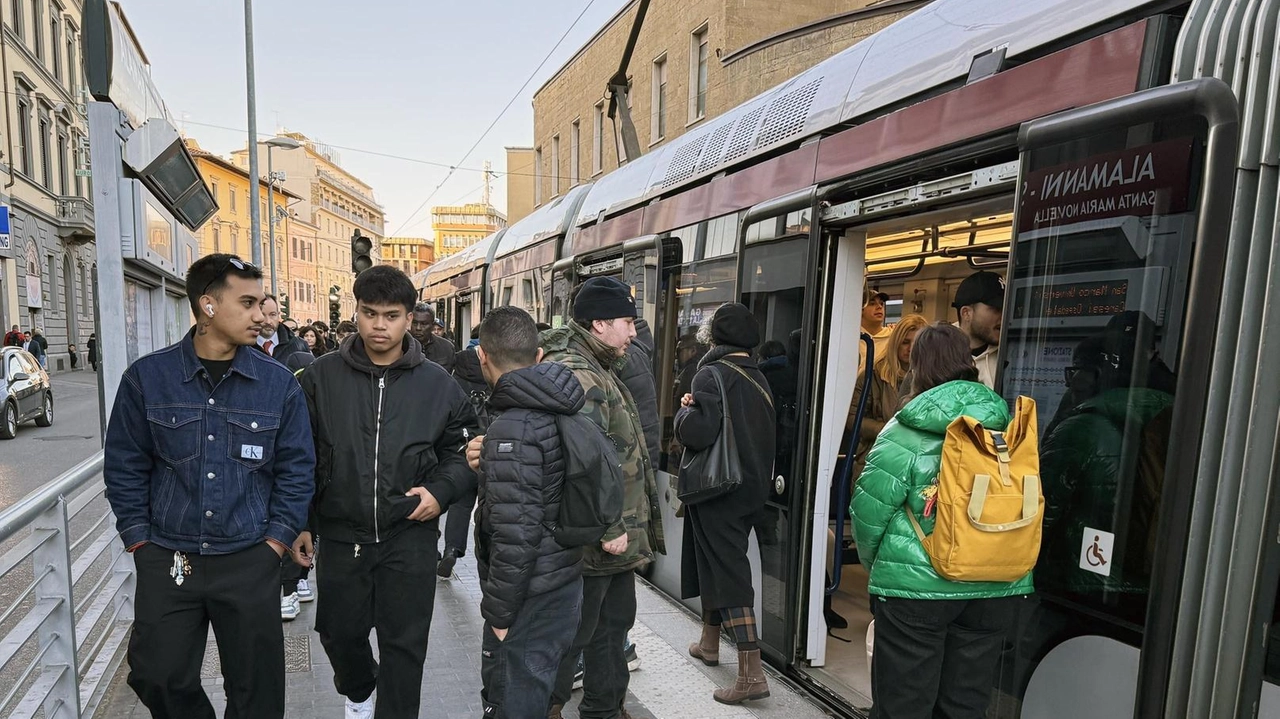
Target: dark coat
(521, 474)
(380, 431)
(439, 350)
(637, 375)
(466, 371)
(291, 350)
(714, 562)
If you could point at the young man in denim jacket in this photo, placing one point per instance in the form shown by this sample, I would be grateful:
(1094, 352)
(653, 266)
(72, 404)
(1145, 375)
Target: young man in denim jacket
(209, 464)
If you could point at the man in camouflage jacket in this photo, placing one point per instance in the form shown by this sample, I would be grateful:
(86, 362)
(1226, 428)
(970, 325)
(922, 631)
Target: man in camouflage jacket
(594, 346)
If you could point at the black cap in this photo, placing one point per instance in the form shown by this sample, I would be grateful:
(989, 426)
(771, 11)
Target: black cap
(734, 325)
(984, 287)
(603, 298)
(871, 294)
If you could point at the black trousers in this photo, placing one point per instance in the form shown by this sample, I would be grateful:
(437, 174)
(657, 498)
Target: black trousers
(608, 612)
(290, 573)
(390, 587)
(239, 595)
(457, 521)
(937, 659)
(519, 673)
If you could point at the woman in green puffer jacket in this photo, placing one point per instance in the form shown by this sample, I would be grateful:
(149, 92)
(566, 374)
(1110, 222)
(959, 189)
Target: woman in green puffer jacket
(937, 642)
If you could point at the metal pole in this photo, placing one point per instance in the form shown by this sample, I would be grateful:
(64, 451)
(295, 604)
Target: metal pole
(113, 217)
(271, 221)
(255, 217)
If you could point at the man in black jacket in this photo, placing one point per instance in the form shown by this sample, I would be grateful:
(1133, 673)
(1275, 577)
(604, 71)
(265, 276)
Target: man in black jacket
(457, 521)
(532, 585)
(436, 349)
(389, 428)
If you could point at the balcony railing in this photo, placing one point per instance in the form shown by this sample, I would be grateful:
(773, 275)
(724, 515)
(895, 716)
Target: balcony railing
(75, 219)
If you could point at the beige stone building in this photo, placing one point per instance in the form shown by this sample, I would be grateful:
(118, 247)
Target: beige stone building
(336, 202)
(305, 302)
(459, 227)
(519, 183)
(694, 60)
(409, 254)
(47, 258)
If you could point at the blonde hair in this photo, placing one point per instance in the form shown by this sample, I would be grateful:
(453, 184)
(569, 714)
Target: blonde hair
(887, 366)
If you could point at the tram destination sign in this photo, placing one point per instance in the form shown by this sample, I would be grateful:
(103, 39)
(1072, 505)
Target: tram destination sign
(1134, 182)
(1072, 299)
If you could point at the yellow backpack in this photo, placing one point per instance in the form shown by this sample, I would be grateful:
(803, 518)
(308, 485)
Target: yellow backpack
(988, 501)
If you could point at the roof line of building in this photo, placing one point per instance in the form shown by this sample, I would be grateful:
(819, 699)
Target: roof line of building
(231, 166)
(603, 29)
(844, 18)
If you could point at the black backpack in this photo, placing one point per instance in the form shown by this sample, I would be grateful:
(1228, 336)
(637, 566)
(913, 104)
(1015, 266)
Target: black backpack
(591, 496)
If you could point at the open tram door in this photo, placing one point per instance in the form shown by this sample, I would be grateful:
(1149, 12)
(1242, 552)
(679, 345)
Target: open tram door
(1115, 279)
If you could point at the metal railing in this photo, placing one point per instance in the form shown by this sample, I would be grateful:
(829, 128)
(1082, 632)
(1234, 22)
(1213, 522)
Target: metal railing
(76, 601)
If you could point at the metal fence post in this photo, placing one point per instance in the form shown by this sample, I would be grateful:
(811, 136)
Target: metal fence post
(58, 632)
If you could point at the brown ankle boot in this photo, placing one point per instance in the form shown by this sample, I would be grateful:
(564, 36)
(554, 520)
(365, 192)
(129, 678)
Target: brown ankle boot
(708, 647)
(751, 683)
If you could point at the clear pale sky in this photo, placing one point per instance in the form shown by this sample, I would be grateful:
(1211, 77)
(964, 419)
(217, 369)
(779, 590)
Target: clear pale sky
(419, 79)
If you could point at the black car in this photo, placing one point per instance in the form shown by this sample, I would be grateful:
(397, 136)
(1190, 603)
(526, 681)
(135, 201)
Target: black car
(25, 392)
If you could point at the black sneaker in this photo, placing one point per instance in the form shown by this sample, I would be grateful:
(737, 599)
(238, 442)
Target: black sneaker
(444, 569)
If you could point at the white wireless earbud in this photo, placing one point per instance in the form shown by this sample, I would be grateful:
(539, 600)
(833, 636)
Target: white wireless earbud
(209, 309)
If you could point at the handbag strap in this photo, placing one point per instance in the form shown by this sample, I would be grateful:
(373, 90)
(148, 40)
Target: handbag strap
(756, 384)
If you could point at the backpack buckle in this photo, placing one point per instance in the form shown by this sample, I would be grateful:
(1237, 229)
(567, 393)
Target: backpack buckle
(1002, 447)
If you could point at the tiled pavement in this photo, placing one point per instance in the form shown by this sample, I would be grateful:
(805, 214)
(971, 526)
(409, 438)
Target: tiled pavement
(668, 684)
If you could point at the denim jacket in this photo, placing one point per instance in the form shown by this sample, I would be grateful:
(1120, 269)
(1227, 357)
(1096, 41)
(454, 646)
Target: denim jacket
(205, 469)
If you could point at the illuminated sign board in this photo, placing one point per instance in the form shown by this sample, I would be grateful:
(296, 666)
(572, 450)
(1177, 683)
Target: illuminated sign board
(1073, 299)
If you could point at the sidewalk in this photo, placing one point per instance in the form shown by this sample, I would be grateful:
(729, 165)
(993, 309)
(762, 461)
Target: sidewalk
(668, 685)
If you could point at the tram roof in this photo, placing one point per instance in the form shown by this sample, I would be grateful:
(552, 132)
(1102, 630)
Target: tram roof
(464, 260)
(928, 49)
(554, 218)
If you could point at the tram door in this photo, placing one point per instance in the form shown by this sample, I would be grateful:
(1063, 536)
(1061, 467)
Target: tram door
(1113, 292)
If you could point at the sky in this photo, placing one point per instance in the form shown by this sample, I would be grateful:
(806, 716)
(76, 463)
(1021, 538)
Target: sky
(415, 79)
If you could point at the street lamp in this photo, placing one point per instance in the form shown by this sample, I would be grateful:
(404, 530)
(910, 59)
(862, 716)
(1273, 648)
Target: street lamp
(285, 143)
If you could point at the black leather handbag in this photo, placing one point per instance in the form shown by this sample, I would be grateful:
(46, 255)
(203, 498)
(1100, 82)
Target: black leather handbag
(716, 470)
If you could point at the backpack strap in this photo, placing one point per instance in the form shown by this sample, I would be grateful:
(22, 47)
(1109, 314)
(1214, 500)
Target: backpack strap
(740, 371)
(1002, 453)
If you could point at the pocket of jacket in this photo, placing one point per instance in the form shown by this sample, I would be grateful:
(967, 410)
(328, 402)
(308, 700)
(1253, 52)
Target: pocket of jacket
(176, 432)
(252, 438)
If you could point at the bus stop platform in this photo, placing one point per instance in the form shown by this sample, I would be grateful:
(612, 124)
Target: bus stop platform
(668, 685)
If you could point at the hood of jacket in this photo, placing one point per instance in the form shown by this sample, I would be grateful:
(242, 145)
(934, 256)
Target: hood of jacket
(934, 410)
(354, 354)
(573, 334)
(547, 386)
(466, 367)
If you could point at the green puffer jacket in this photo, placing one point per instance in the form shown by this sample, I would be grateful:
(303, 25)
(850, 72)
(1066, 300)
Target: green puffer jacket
(611, 407)
(904, 460)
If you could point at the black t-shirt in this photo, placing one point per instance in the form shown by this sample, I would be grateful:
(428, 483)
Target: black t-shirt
(217, 369)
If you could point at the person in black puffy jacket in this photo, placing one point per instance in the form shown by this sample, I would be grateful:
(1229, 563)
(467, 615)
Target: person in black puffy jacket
(532, 585)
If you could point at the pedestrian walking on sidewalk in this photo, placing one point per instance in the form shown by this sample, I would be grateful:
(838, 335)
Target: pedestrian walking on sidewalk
(714, 562)
(594, 346)
(532, 584)
(209, 464)
(391, 431)
(457, 521)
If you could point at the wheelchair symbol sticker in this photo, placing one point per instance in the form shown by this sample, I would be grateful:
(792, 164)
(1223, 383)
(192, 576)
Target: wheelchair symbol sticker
(1096, 551)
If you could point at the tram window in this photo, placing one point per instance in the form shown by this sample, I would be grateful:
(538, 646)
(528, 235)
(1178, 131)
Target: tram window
(722, 236)
(797, 223)
(689, 294)
(688, 237)
(1102, 260)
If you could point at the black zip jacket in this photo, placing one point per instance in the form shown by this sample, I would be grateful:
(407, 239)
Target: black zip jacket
(380, 431)
(521, 475)
(440, 351)
(291, 350)
(466, 370)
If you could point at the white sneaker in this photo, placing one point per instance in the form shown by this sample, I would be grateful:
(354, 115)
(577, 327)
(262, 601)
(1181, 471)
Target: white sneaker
(304, 592)
(360, 710)
(289, 607)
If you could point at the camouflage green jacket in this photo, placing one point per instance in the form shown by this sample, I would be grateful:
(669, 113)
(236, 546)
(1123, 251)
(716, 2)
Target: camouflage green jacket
(610, 405)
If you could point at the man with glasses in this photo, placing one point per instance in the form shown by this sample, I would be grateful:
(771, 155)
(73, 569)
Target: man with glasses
(209, 471)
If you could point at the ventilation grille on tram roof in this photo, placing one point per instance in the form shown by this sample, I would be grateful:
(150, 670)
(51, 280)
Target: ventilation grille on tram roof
(683, 161)
(743, 132)
(787, 114)
(715, 147)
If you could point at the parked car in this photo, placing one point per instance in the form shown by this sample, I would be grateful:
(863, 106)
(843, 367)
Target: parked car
(25, 392)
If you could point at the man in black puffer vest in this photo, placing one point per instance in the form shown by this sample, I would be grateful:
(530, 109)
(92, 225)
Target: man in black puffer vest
(532, 585)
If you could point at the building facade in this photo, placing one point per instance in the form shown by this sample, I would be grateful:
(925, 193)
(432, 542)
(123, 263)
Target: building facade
(457, 228)
(409, 254)
(305, 303)
(230, 230)
(47, 258)
(336, 202)
(694, 60)
(519, 183)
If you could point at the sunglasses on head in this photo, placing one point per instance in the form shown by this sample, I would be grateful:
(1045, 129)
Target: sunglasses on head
(227, 264)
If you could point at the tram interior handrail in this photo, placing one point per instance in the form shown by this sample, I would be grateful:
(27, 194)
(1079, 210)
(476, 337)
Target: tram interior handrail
(77, 601)
(846, 470)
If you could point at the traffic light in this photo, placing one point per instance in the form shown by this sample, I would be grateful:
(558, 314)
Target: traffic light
(361, 253)
(335, 306)
(284, 306)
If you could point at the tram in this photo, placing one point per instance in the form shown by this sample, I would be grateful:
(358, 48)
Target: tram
(1111, 159)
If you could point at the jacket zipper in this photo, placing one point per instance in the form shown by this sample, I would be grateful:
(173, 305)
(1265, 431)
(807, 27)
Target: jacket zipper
(377, 439)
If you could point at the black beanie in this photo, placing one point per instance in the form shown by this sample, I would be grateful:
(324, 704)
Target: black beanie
(734, 325)
(603, 298)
